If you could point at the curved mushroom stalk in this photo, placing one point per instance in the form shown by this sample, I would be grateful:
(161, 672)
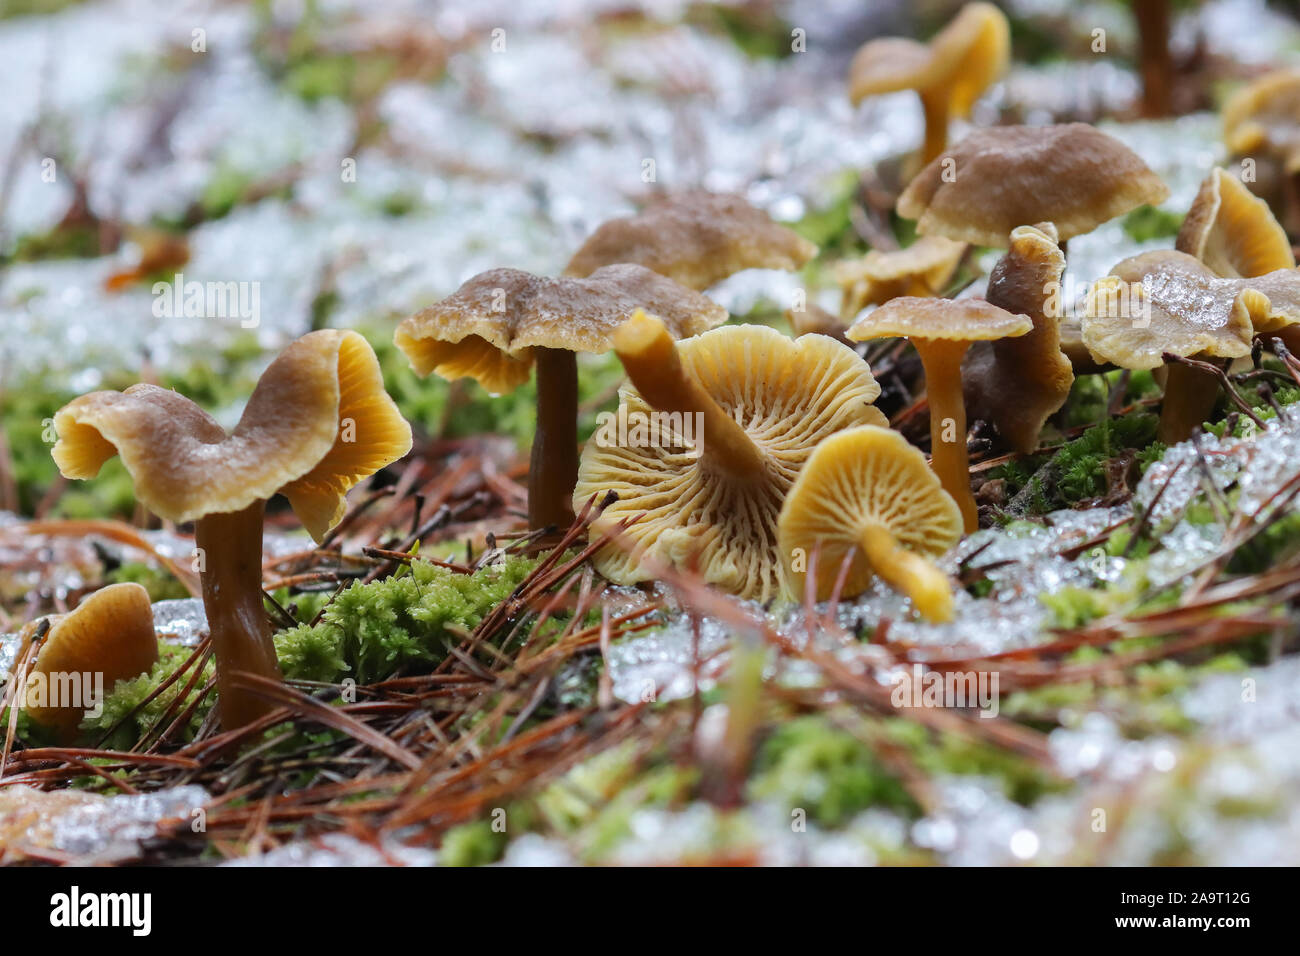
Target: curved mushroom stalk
(908, 573)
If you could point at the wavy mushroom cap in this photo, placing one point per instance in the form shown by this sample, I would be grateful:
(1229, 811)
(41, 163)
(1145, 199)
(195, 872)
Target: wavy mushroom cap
(486, 330)
(787, 395)
(1168, 301)
(1264, 117)
(923, 268)
(963, 59)
(318, 422)
(695, 238)
(962, 320)
(1018, 383)
(858, 478)
(110, 633)
(996, 179)
(1232, 231)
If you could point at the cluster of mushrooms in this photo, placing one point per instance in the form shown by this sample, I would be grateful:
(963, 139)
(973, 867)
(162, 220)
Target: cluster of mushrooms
(794, 485)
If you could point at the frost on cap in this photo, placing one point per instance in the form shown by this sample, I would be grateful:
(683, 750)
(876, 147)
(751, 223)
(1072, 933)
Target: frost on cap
(1018, 383)
(788, 395)
(1264, 117)
(1232, 231)
(110, 633)
(695, 238)
(487, 328)
(318, 422)
(1168, 301)
(962, 320)
(923, 268)
(964, 59)
(859, 477)
(1002, 177)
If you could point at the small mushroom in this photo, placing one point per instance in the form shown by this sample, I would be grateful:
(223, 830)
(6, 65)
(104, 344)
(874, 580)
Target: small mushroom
(1261, 123)
(867, 492)
(922, 269)
(108, 637)
(1071, 175)
(500, 323)
(695, 238)
(1232, 231)
(941, 330)
(1026, 281)
(1167, 301)
(317, 423)
(749, 405)
(949, 73)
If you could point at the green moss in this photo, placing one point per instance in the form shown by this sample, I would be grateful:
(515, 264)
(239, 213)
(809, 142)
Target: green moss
(128, 694)
(157, 581)
(471, 844)
(1072, 607)
(1146, 223)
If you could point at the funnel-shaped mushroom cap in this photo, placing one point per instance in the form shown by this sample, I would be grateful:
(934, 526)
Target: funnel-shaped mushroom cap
(996, 179)
(786, 394)
(695, 238)
(110, 634)
(963, 59)
(1168, 301)
(860, 480)
(1264, 117)
(318, 422)
(1017, 383)
(487, 328)
(955, 320)
(922, 269)
(1232, 231)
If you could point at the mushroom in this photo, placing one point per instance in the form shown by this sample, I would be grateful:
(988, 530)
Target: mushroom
(499, 323)
(696, 238)
(1155, 65)
(1233, 231)
(941, 330)
(949, 73)
(866, 496)
(318, 422)
(739, 409)
(1026, 281)
(108, 637)
(1167, 301)
(922, 269)
(1071, 175)
(1261, 122)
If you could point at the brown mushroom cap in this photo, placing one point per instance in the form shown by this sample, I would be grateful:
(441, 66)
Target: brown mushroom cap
(787, 396)
(962, 320)
(487, 328)
(923, 268)
(695, 238)
(964, 59)
(110, 633)
(857, 482)
(1192, 310)
(318, 421)
(1018, 383)
(1264, 117)
(1232, 231)
(1071, 175)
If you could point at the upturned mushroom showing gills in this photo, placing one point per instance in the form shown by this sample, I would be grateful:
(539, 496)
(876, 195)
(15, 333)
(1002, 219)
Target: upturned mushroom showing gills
(696, 238)
(922, 269)
(108, 637)
(736, 412)
(866, 496)
(1233, 231)
(317, 423)
(949, 73)
(1168, 301)
(941, 330)
(501, 323)
(1017, 383)
(1071, 175)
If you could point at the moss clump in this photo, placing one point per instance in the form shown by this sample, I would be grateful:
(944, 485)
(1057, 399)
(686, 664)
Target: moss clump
(158, 582)
(1146, 223)
(471, 844)
(371, 630)
(127, 695)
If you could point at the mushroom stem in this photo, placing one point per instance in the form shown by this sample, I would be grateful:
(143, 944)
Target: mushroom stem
(553, 469)
(1153, 54)
(1189, 399)
(908, 572)
(935, 104)
(941, 360)
(650, 358)
(230, 549)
